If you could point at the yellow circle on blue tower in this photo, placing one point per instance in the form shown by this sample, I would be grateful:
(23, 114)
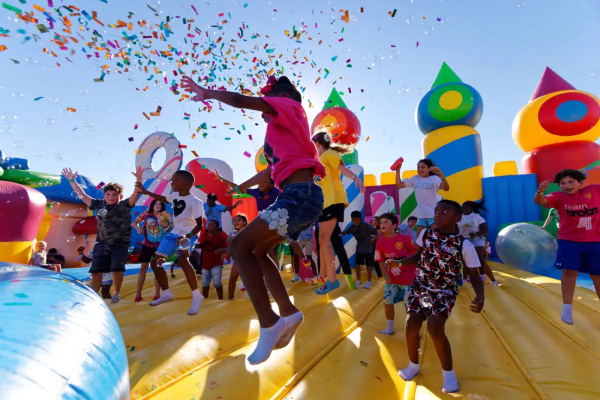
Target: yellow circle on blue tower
(451, 100)
(449, 104)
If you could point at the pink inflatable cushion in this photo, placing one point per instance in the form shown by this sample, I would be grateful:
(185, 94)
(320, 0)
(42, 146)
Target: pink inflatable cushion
(21, 212)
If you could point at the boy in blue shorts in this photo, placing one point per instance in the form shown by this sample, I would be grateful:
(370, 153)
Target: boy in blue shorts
(187, 213)
(391, 248)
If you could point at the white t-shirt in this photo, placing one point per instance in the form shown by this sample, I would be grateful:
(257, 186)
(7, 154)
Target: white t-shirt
(39, 258)
(470, 224)
(186, 209)
(426, 193)
(468, 251)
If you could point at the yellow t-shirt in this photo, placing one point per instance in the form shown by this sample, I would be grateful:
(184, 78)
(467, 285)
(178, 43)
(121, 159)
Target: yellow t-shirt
(332, 184)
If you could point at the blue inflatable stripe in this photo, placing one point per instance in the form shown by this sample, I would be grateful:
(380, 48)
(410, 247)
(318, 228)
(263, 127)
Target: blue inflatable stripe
(458, 155)
(509, 199)
(58, 339)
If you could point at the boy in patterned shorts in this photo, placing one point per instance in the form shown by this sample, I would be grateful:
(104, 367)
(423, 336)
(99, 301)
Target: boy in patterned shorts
(440, 255)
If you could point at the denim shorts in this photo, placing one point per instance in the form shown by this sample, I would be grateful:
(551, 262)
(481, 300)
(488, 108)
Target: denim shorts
(168, 245)
(215, 273)
(109, 257)
(425, 222)
(395, 293)
(478, 241)
(579, 256)
(297, 207)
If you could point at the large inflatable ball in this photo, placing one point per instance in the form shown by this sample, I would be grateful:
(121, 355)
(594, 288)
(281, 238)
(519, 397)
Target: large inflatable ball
(449, 104)
(260, 162)
(527, 247)
(342, 124)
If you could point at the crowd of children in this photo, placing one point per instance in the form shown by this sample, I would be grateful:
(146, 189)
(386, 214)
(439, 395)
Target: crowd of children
(300, 199)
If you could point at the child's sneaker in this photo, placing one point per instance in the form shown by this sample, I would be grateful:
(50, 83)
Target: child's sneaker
(296, 278)
(328, 287)
(137, 299)
(116, 298)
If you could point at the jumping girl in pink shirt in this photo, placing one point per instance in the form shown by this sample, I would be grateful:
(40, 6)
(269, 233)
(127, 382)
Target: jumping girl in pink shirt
(293, 163)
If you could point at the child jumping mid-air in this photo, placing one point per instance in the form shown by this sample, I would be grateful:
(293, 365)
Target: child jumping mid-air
(114, 230)
(578, 232)
(362, 232)
(426, 183)
(293, 163)
(391, 248)
(187, 213)
(441, 252)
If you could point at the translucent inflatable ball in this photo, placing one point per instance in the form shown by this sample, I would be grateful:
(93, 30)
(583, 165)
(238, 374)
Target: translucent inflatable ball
(527, 247)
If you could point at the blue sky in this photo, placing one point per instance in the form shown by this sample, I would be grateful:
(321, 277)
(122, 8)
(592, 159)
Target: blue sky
(500, 47)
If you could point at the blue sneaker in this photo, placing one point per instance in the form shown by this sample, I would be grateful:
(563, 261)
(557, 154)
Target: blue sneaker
(328, 287)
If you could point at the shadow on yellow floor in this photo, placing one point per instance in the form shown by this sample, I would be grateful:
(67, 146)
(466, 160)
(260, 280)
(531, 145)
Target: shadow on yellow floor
(516, 349)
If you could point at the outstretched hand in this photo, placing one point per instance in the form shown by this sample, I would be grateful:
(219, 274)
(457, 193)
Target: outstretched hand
(138, 173)
(189, 85)
(218, 174)
(140, 188)
(437, 171)
(543, 186)
(67, 173)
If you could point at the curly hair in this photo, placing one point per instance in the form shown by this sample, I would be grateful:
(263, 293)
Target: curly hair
(571, 173)
(113, 186)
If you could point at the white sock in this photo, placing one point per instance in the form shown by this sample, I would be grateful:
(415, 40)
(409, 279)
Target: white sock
(164, 297)
(567, 314)
(197, 300)
(390, 328)
(266, 342)
(367, 285)
(409, 372)
(358, 283)
(450, 382)
(116, 297)
(292, 323)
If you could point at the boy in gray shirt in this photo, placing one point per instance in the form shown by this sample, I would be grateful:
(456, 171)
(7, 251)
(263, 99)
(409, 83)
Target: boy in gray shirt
(364, 251)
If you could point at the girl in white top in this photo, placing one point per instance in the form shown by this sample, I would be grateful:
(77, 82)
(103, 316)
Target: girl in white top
(429, 180)
(473, 227)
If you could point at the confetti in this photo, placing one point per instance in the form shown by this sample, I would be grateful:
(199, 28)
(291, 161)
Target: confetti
(417, 44)
(157, 113)
(132, 348)
(333, 58)
(364, 364)
(247, 154)
(140, 151)
(195, 154)
(136, 126)
(145, 115)
(131, 139)
(2, 48)
(37, 98)
(393, 13)
(100, 185)
(368, 137)
(71, 109)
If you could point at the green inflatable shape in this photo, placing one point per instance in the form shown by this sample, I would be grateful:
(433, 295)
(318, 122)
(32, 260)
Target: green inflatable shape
(1, 171)
(446, 75)
(351, 158)
(334, 100)
(30, 178)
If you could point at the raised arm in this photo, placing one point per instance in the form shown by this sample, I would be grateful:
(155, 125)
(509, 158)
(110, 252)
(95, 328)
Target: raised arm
(229, 183)
(255, 180)
(399, 183)
(444, 185)
(229, 98)
(233, 206)
(539, 196)
(136, 192)
(143, 190)
(349, 174)
(70, 175)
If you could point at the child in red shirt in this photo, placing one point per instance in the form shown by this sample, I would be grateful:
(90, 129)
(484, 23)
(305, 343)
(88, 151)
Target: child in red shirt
(213, 244)
(390, 248)
(293, 164)
(578, 232)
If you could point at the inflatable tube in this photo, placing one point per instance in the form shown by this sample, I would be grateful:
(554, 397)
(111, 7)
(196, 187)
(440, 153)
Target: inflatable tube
(150, 146)
(14, 163)
(58, 340)
(63, 193)
(30, 178)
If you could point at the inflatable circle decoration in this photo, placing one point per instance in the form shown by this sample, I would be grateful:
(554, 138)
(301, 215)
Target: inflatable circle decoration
(565, 116)
(260, 162)
(449, 104)
(342, 124)
(527, 247)
(150, 146)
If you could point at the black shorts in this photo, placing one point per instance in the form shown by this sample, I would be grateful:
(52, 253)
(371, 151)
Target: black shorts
(109, 257)
(365, 259)
(333, 211)
(146, 254)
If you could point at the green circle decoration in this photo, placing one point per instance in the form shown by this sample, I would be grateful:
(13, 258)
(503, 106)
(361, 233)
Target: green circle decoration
(437, 112)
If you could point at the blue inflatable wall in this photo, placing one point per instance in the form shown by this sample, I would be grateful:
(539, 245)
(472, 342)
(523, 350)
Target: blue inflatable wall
(509, 199)
(58, 340)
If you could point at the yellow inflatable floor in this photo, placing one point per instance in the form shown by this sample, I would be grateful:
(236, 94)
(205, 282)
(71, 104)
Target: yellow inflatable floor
(516, 349)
